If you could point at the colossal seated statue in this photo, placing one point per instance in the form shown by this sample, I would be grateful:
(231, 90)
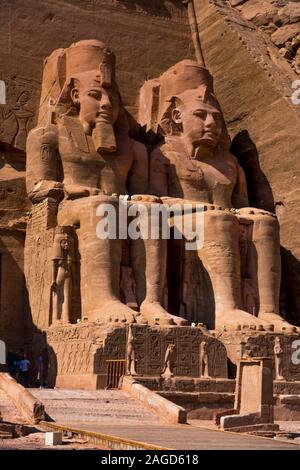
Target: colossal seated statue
(82, 156)
(192, 163)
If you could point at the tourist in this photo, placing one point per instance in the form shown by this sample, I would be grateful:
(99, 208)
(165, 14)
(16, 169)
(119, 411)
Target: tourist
(43, 368)
(24, 370)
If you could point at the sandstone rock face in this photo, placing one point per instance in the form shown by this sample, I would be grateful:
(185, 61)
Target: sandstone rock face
(280, 19)
(253, 83)
(13, 216)
(290, 13)
(282, 35)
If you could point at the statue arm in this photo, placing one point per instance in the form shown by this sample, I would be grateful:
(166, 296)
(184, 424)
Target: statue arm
(138, 177)
(158, 173)
(54, 272)
(240, 192)
(42, 166)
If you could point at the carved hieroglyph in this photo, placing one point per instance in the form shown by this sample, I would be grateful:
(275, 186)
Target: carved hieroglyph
(85, 348)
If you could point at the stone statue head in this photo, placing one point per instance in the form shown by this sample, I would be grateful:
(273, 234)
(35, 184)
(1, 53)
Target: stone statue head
(63, 242)
(182, 102)
(84, 86)
(277, 341)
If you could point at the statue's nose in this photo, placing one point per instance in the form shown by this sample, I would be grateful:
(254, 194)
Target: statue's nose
(105, 104)
(210, 121)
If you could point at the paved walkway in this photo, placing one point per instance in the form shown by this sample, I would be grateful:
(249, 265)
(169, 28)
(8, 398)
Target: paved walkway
(186, 437)
(114, 412)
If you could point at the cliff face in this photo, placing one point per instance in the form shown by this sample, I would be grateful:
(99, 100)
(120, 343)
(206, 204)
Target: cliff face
(280, 20)
(253, 82)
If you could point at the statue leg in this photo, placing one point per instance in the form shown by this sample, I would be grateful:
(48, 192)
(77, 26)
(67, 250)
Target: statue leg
(138, 260)
(156, 258)
(266, 241)
(55, 304)
(58, 297)
(65, 314)
(100, 258)
(221, 258)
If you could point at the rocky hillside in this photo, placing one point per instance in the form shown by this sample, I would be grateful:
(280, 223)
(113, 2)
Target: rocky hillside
(280, 19)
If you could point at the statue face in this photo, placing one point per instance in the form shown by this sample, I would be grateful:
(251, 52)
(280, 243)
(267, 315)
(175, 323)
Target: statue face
(201, 121)
(96, 103)
(65, 244)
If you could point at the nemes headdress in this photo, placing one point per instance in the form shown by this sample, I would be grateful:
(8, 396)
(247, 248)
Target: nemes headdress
(62, 232)
(65, 65)
(157, 94)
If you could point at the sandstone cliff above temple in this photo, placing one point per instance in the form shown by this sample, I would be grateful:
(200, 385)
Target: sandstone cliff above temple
(279, 19)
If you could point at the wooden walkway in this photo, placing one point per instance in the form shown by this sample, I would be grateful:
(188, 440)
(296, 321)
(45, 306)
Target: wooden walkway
(186, 437)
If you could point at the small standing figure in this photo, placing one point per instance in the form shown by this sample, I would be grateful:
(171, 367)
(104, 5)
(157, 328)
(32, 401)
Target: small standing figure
(203, 360)
(130, 353)
(168, 363)
(278, 354)
(25, 370)
(62, 274)
(128, 287)
(43, 362)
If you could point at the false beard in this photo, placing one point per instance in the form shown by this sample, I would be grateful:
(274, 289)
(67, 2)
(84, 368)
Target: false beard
(104, 138)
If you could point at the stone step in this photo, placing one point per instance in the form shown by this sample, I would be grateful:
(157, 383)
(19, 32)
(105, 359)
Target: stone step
(8, 410)
(75, 406)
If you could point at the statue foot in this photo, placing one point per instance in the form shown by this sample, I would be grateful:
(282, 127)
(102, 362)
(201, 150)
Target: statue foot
(157, 315)
(236, 319)
(113, 311)
(276, 320)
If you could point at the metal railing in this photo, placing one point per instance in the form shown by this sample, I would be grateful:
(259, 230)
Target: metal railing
(115, 369)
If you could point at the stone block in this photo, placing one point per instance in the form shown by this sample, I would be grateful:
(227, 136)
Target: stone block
(53, 438)
(286, 33)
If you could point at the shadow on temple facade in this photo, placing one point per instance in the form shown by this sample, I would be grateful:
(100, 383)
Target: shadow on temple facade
(261, 196)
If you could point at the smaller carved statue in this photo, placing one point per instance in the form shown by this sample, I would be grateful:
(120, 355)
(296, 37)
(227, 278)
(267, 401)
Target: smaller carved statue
(130, 353)
(203, 360)
(248, 353)
(128, 287)
(62, 267)
(169, 361)
(278, 355)
(249, 296)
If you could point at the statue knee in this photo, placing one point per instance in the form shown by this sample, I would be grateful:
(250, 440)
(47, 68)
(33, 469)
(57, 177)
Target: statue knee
(265, 224)
(220, 226)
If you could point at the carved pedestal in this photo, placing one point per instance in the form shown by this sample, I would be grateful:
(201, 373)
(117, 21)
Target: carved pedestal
(78, 354)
